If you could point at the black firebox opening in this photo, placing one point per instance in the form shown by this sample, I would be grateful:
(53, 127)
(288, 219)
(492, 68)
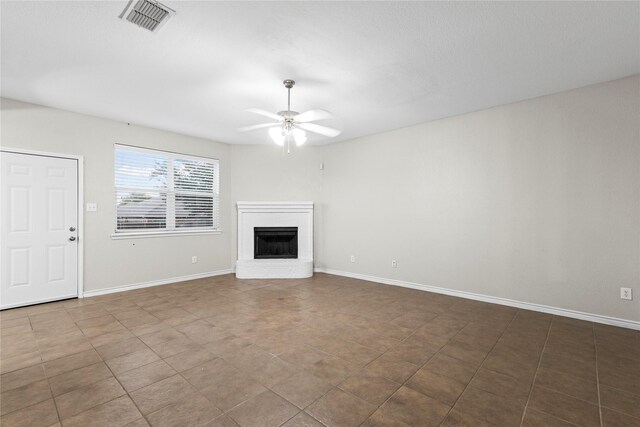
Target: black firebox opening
(275, 242)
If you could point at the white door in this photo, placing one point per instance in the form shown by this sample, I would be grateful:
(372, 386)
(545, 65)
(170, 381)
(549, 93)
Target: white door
(39, 215)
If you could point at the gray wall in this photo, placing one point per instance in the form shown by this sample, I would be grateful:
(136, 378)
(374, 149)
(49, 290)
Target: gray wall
(266, 173)
(537, 201)
(111, 263)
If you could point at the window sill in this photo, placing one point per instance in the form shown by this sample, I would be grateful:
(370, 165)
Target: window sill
(146, 234)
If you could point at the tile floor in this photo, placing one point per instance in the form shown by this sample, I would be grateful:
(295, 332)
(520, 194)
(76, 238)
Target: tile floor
(325, 351)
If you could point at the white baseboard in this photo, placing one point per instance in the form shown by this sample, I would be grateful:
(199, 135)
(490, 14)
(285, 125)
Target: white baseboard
(155, 283)
(597, 318)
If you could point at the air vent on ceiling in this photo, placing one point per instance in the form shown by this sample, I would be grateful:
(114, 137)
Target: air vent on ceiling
(147, 14)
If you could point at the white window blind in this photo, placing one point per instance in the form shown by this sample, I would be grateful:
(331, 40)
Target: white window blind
(162, 191)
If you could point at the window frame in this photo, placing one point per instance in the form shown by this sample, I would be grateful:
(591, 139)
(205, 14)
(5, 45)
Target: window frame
(171, 193)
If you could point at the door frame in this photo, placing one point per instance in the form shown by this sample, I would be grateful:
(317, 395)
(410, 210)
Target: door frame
(80, 177)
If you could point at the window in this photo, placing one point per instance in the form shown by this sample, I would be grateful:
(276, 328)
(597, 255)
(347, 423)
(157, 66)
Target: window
(158, 192)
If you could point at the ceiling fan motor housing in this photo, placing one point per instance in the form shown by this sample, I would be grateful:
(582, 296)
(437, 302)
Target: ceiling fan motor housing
(287, 113)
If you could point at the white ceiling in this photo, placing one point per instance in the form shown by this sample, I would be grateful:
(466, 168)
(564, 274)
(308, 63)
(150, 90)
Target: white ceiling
(376, 65)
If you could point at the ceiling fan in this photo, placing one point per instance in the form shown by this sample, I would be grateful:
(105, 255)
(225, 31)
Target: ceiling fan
(290, 124)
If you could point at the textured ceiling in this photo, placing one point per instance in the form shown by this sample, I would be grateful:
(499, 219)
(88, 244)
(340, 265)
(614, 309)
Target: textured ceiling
(376, 65)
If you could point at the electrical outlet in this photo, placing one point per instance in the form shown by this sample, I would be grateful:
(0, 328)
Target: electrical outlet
(92, 207)
(353, 258)
(625, 293)
(394, 263)
(194, 259)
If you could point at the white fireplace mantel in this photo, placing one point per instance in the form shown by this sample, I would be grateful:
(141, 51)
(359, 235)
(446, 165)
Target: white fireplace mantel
(274, 214)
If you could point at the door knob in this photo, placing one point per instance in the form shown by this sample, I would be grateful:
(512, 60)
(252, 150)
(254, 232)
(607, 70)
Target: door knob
(72, 229)
(72, 238)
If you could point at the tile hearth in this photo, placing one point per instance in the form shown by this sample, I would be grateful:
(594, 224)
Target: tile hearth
(323, 351)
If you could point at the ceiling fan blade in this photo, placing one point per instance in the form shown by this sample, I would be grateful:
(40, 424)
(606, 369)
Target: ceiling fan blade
(313, 115)
(265, 113)
(260, 126)
(322, 130)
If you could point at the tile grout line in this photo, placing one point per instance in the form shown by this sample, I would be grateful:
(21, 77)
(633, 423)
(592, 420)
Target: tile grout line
(216, 356)
(223, 413)
(109, 368)
(415, 373)
(367, 364)
(564, 394)
(481, 363)
(52, 397)
(595, 348)
(42, 362)
(345, 391)
(420, 366)
(303, 410)
(403, 384)
(526, 406)
(289, 419)
(568, 395)
(112, 373)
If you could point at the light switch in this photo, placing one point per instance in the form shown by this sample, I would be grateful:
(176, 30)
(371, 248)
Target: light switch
(92, 207)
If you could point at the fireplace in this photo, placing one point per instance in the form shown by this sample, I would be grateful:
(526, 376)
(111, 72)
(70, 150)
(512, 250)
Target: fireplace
(275, 242)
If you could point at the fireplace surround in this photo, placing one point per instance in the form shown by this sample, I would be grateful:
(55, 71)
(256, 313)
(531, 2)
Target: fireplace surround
(276, 224)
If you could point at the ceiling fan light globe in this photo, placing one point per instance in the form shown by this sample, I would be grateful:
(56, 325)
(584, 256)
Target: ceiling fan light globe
(299, 136)
(276, 135)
